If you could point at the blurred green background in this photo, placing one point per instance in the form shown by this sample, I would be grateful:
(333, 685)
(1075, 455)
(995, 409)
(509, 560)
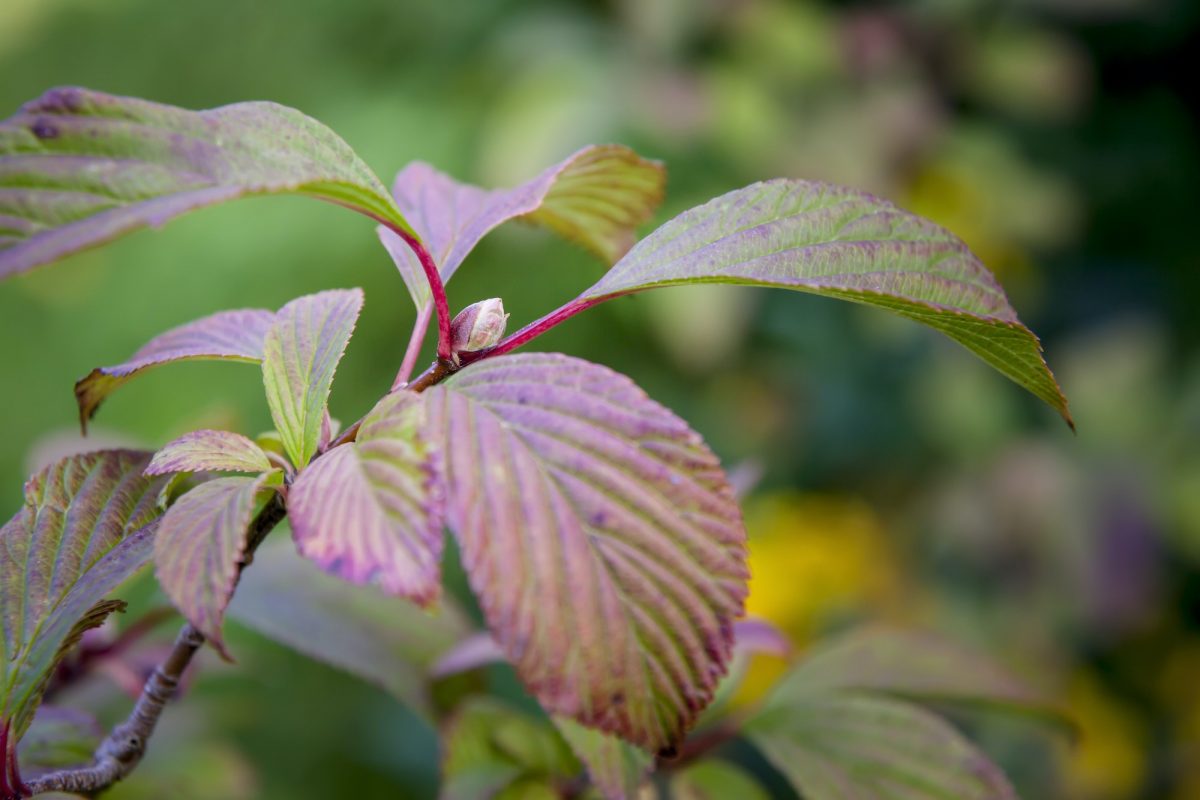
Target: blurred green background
(902, 480)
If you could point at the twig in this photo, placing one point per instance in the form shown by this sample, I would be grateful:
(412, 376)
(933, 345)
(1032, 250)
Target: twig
(414, 347)
(122, 750)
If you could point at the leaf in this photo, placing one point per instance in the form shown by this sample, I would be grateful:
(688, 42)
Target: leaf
(208, 450)
(846, 244)
(713, 779)
(617, 768)
(489, 746)
(371, 511)
(79, 168)
(224, 336)
(596, 197)
(302, 349)
(913, 665)
(58, 737)
(845, 746)
(601, 537)
(86, 526)
(388, 642)
(200, 546)
(477, 650)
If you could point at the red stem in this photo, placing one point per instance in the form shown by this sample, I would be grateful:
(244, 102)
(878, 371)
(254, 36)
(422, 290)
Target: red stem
(414, 347)
(535, 328)
(436, 288)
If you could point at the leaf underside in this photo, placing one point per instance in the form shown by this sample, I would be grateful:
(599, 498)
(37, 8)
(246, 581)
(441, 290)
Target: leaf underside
(200, 546)
(224, 336)
(596, 197)
(300, 354)
(370, 511)
(617, 769)
(909, 664)
(849, 746)
(389, 642)
(601, 537)
(846, 244)
(86, 526)
(80, 167)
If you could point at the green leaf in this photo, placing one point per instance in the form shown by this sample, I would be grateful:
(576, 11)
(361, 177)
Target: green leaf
(79, 168)
(302, 349)
(489, 746)
(913, 665)
(617, 768)
(386, 641)
(712, 779)
(200, 546)
(847, 746)
(85, 527)
(209, 451)
(840, 243)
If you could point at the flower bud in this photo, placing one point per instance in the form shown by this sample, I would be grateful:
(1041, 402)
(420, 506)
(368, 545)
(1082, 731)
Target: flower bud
(477, 326)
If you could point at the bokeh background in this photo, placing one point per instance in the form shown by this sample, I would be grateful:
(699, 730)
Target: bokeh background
(902, 481)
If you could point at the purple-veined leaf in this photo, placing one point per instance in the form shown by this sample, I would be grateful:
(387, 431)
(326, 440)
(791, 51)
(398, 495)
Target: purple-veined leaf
(714, 779)
(913, 665)
(601, 537)
(224, 336)
(617, 768)
(80, 167)
(208, 450)
(370, 511)
(302, 349)
(845, 244)
(58, 737)
(386, 641)
(86, 526)
(200, 546)
(848, 746)
(596, 197)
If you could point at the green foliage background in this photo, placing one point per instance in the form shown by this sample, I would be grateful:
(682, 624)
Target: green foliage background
(903, 481)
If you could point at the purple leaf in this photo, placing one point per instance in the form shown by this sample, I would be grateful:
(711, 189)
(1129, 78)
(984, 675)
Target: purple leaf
(200, 546)
(756, 635)
(207, 450)
(596, 197)
(302, 349)
(86, 526)
(79, 168)
(601, 537)
(845, 244)
(370, 511)
(477, 650)
(617, 768)
(844, 746)
(225, 336)
(384, 640)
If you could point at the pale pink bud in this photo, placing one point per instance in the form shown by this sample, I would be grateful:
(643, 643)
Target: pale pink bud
(477, 326)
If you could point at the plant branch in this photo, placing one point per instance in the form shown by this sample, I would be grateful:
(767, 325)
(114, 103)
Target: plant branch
(414, 347)
(436, 288)
(119, 754)
(534, 329)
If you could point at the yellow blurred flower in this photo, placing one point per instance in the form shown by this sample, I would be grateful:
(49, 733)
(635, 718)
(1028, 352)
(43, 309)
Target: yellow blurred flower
(1109, 760)
(815, 561)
